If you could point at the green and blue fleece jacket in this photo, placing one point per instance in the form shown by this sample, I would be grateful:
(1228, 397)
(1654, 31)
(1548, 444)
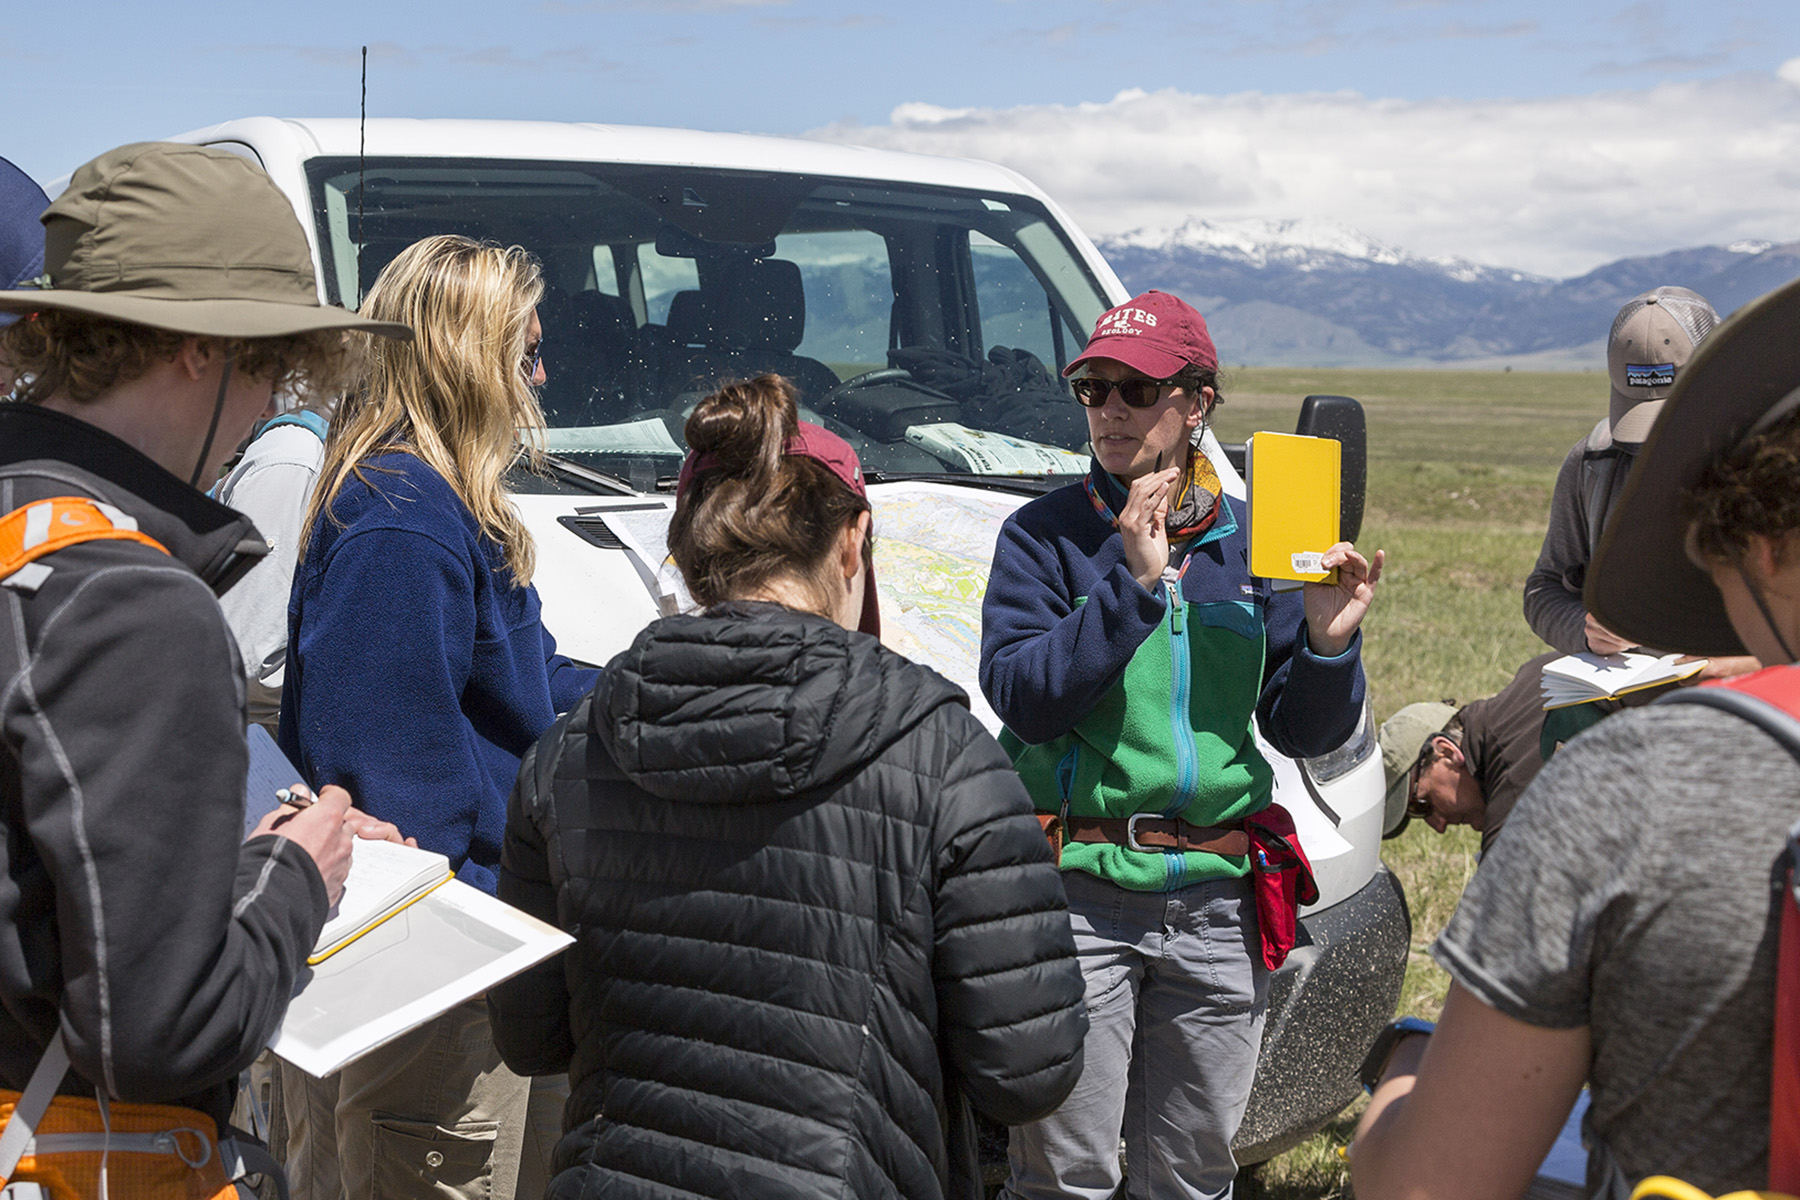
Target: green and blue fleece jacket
(1120, 700)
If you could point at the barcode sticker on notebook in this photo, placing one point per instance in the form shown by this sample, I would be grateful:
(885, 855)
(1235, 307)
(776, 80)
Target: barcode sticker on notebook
(1308, 563)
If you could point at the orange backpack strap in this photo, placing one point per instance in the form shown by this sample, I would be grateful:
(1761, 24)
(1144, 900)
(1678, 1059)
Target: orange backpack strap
(46, 526)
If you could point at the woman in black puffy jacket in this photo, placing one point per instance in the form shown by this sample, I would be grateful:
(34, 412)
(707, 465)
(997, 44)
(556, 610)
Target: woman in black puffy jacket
(815, 919)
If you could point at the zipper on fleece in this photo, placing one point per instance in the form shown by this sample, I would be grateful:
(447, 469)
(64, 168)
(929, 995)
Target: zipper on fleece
(1065, 781)
(1187, 766)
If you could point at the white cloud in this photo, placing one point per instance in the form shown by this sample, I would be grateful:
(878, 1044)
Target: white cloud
(1790, 71)
(1554, 185)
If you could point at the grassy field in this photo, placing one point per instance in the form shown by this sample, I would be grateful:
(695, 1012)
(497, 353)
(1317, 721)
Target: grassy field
(1461, 467)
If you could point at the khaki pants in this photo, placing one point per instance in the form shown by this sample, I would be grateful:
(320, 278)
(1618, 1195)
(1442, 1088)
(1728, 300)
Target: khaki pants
(432, 1113)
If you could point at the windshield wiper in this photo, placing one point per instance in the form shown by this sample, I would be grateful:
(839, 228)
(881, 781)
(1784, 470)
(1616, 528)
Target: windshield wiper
(588, 475)
(1022, 485)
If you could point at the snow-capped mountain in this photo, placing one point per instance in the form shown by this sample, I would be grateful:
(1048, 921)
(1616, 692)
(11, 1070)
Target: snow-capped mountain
(1306, 292)
(1303, 244)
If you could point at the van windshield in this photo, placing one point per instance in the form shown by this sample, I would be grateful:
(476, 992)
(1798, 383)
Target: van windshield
(928, 326)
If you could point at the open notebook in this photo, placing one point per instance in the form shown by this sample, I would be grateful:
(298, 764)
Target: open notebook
(406, 943)
(385, 877)
(1578, 678)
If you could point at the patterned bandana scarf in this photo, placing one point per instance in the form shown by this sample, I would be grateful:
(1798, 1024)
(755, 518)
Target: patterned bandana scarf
(1196, 504)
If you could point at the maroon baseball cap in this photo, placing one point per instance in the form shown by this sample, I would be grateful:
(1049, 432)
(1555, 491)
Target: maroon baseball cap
(835, 455)
(1156, 333)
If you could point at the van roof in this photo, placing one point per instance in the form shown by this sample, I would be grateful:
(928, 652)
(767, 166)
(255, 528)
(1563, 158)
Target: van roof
(593, 142)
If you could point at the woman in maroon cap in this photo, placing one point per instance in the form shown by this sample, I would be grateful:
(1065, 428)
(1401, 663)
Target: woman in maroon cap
(1132, 656)
(814, 918)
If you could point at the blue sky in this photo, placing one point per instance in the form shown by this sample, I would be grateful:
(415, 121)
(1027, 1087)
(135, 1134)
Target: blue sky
(1402, 118)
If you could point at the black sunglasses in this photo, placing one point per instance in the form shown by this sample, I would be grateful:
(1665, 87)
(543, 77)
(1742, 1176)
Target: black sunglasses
(530, 365)
(1416, 807)
(1136, 393)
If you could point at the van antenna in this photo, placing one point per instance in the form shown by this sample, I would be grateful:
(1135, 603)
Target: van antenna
(362, 144)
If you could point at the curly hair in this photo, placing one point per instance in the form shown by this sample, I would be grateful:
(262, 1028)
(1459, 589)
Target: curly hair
(78, 357)
(1752, 490)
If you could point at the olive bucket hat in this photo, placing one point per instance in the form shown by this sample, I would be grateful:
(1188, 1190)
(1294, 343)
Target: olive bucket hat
(184, 238)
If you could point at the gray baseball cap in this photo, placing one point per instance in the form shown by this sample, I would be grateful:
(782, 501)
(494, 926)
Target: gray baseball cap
(1652, 339)
(184, 238)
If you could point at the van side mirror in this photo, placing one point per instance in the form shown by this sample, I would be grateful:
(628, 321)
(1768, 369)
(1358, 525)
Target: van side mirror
(1341, 417)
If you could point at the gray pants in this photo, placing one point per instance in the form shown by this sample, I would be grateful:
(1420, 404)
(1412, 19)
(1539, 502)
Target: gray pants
(1176, 992)
(432, 1113)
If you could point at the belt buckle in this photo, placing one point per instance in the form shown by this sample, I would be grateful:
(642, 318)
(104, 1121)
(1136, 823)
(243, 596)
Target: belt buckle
(1131, 836)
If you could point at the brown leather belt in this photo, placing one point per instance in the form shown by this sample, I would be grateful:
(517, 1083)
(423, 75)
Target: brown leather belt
(1150, 832)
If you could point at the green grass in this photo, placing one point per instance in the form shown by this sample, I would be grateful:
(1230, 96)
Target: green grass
(1461, 467)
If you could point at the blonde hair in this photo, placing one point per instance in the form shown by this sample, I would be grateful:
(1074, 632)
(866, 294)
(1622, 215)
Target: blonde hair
(456, 396)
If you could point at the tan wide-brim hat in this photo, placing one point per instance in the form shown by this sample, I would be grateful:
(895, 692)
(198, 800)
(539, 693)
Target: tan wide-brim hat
(184, 238)
(1640, 583)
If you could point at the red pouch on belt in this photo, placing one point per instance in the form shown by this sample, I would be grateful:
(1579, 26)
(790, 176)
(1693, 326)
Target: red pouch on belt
(1282, 878)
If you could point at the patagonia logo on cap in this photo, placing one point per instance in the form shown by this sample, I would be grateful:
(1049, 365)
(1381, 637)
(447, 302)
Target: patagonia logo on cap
(1649, 375)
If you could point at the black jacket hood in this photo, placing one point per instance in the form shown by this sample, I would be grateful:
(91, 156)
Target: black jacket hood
(220, 544)
(753, 701)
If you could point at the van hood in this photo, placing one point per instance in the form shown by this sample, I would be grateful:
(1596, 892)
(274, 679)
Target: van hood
(752, 702)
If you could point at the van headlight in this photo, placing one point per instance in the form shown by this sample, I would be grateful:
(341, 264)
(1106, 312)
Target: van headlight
(1357, 749)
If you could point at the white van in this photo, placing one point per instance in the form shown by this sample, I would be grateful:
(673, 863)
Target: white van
(924, 307)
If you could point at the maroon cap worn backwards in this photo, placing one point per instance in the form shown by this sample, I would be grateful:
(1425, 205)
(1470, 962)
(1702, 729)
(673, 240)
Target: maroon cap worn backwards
(835, 455)
(1156, 333)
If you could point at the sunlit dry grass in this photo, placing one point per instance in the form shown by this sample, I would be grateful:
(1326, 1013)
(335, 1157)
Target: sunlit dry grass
(1461, 467)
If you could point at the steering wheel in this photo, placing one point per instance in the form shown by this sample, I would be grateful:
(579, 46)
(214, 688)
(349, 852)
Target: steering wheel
(866, 379)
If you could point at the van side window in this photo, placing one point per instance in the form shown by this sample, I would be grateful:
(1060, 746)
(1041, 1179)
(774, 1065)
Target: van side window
(1015, 311)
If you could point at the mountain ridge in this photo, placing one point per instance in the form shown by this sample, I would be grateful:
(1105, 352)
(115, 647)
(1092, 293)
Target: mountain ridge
(1312, 293)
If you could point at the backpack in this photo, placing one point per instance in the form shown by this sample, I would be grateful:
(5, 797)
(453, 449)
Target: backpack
(1770, 700)
(46, 526)
(304, 418)
(70, 1146)
(1600, 462)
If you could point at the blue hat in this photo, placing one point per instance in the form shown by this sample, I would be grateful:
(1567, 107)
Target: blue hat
(21, 235)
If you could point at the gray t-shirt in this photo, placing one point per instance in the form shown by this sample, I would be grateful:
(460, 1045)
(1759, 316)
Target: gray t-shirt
(1631, 895)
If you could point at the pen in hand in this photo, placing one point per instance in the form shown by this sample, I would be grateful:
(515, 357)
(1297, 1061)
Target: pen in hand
(297, 797)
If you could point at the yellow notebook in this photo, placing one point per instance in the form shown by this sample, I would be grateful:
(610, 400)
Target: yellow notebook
(1294, 484)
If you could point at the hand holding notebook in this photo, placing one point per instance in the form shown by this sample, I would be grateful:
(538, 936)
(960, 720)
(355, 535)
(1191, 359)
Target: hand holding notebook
(1335, 606)
(1295, 489)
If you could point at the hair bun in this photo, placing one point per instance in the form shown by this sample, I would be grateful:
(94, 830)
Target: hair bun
(745, 425)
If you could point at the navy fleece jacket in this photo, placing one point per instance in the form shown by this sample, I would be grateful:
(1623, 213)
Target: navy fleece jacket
(418, 672)
(1121, 700)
